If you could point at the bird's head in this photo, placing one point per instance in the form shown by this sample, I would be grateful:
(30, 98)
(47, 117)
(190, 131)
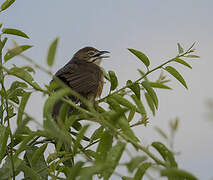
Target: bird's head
(90, 54)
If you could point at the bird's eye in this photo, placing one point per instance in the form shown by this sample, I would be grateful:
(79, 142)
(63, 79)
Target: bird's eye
(91, 53)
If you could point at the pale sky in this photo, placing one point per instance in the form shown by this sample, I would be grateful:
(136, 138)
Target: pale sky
(153, 27)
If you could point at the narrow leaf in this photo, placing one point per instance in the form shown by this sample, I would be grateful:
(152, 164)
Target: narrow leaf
(24, 75)
(4, 133)
(180, 49)
(142, 74)
(21, 108)
(34, 158)
(135, 162)
(23, 145)
(192, 56)
(126, 129)
(150, 103)
(177, 75)
(131, 114)
(151, 92)
(141, 171)
(29, 172)
(181, 61)
(165, 153)
(113, 80)
(75, 170)
(127, 178)
(161, 132)
(123, 101)
(104, 146)
(6, 4)
(79, 138)
(158, 85)
(113, 158)
(134, 87)
(37, 154)
(141, 56)
(52, 52)
(50, 102)
(97, 134)
(177, 174)
(16, 51)
(139, 105)
(14, 32)
(6, 171)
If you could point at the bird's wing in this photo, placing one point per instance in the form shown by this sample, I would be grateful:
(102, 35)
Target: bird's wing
(80, 79)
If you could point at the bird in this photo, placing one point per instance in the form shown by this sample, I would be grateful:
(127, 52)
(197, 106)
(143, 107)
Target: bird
(83, 75)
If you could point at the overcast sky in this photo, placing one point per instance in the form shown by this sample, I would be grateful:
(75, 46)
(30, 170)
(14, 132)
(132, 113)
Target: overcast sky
(154, 27)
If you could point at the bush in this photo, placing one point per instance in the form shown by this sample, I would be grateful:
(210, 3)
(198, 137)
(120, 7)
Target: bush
(76, 153)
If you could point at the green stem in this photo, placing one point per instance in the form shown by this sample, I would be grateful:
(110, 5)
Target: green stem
(146, 74)
(7, 109)
(10, 132)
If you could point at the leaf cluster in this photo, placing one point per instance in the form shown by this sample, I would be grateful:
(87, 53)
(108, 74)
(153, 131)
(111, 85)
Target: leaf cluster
(115, 115)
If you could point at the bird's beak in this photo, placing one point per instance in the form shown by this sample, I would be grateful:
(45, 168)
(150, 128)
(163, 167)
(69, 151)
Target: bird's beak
(101, 53)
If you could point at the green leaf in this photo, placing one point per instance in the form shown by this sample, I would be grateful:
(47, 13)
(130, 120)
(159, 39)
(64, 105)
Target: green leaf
(126, 129)
(161, 132)
(14, 32)
(21, 108)
(180, 49)
(4, 133)
(165, 153)
(135, 162)
(177, 174)
(177, 75)
(23, 145)
(192, 56)
(30, 173)
(35, 162)
(17, 84)
(123, 101)
(97, 134)
(79, 138)
(151, 92)
(113, 158)
(113, 80)
(134, 87)
(22, 128)
(2, 43)
(142, 74)
(24, 75)
(104, 146)
(6, 4)
(174, 124)
(127, 178)
(158, 85)
(106, 75)
(6, 171)
(141, 56)
(131, 114)
(181, 61)
(37, 154)
(50, 102)
(75, 170)
(114, 105)
(15, 51)
(141, 171)
(139, 104)
(87, 173)
(150, 103)
(52, 52)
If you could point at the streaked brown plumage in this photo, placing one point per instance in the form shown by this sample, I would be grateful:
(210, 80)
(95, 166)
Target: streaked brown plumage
(82, 74)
